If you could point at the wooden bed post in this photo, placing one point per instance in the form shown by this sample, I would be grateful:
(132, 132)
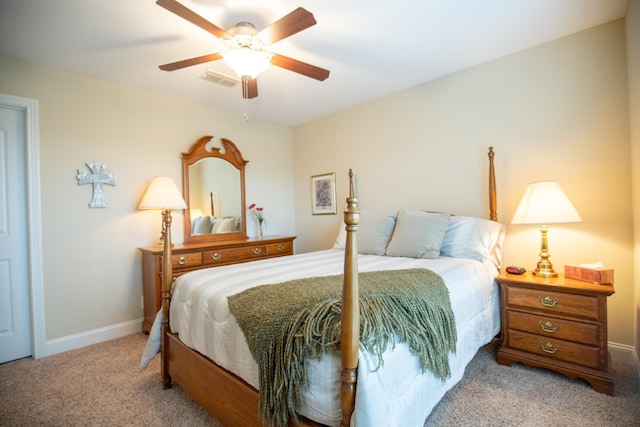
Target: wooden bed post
(493, 202)
(350, 316)
(167, 274)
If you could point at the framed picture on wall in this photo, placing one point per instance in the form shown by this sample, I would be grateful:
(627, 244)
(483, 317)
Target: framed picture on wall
(323, 194)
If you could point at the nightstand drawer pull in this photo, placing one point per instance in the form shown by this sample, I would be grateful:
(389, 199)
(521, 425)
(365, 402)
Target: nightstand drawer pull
(257, 251)
(549, 327)
(548, 348)
(548, 301)
(280, 248)
(182, 260)
(215, 256)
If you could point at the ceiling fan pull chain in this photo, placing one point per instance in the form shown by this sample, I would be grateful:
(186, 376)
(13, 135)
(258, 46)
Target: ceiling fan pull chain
(244, 102)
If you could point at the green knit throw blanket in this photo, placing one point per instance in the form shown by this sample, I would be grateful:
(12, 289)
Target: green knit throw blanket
(286, 322)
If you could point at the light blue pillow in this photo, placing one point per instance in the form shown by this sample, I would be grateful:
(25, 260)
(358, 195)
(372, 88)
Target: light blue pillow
(418, 234)
(474, 238)
(374, 232)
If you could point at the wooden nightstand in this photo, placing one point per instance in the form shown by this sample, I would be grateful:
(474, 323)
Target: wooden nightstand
(194, 256)
(558, 324)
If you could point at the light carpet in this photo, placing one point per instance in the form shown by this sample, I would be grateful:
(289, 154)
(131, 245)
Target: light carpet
(100, 385)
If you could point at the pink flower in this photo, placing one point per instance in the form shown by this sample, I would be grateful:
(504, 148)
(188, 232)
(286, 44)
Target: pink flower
(258, 212)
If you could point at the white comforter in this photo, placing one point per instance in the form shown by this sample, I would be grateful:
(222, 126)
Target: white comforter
(397, 394)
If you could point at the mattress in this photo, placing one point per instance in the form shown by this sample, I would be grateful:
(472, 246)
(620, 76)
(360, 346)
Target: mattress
(394, 393)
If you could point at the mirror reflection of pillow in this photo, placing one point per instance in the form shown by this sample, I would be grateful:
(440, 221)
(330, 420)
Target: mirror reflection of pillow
(225, 225)
(202, 225)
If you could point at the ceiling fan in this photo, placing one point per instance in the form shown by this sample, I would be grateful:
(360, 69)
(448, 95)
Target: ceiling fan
(248, 49)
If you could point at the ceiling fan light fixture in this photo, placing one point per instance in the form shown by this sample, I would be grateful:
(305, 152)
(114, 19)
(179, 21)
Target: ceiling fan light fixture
(247, 62)
(248, 49)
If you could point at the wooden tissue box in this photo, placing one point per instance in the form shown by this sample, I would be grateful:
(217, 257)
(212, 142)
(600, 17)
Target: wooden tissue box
(599, 275)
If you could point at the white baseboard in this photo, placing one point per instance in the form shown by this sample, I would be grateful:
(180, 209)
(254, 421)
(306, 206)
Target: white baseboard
(95, 336)
(623, 353)
(626, 354)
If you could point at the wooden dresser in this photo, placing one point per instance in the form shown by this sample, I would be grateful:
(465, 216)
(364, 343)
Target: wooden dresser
(194, 256)
(558, 324)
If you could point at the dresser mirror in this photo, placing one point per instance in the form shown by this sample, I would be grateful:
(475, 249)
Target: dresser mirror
(213, 188)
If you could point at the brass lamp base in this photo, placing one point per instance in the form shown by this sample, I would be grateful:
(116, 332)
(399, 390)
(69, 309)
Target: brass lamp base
(165, 213)
(544, 267)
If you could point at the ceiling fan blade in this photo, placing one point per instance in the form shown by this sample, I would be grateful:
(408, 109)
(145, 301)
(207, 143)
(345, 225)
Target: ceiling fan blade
(299, 67)
(249, 88)
(186, 13)
(296, 21)
(189, 62)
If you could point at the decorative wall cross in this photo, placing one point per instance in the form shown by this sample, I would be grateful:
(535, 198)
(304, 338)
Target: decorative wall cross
(97, 178)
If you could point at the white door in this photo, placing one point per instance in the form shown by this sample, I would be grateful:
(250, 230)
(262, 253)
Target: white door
(15, 328)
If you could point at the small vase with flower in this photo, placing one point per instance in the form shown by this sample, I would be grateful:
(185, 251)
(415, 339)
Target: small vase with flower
(258, 212)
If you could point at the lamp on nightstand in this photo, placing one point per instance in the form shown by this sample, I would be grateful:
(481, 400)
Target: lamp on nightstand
(163, 194)
(543, 203)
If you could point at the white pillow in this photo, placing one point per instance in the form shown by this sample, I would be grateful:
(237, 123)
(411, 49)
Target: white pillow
(474, 238)
(418, 234)
(202, 225)
(374, 232)
(225, 225)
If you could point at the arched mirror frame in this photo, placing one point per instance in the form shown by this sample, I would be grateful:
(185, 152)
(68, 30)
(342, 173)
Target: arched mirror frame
(231, 154)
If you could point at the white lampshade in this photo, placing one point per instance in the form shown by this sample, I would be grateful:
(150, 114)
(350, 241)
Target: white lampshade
(545, 202)
(162, 193)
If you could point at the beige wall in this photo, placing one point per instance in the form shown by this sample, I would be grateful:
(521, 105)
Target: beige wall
(557, 111)
(92, 271)
(633, 58)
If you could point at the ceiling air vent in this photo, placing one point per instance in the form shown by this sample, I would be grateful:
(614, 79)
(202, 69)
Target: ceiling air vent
(221, 79)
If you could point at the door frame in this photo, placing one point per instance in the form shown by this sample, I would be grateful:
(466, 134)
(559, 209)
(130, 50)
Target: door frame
(30, 109)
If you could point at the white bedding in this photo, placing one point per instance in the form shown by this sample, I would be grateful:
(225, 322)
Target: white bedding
(396, 394)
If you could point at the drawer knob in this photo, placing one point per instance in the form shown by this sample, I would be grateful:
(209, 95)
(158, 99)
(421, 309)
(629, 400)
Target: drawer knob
(549, 327)
(182, 260)
(257, 251)
(280, 248)
(215, 256)
(548, 301)
(548, 348)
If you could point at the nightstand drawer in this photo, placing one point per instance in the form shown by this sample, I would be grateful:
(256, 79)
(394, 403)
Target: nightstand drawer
(188, 260)
(565, 303)
(554, 348)
(230, 255)
(584, 333)
(280, 248)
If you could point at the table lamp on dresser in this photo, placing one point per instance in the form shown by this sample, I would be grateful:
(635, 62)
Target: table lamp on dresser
(163, 194)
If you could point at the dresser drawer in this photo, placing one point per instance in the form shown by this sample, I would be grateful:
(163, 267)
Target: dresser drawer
(283, 248)
(571, 304)
(554, 348)
(230, 255)
(186, 260)
(584, 333)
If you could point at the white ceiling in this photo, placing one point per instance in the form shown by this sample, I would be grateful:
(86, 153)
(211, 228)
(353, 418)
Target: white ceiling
(372, 48)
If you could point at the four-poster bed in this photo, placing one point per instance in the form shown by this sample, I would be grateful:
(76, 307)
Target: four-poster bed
(234, 401)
